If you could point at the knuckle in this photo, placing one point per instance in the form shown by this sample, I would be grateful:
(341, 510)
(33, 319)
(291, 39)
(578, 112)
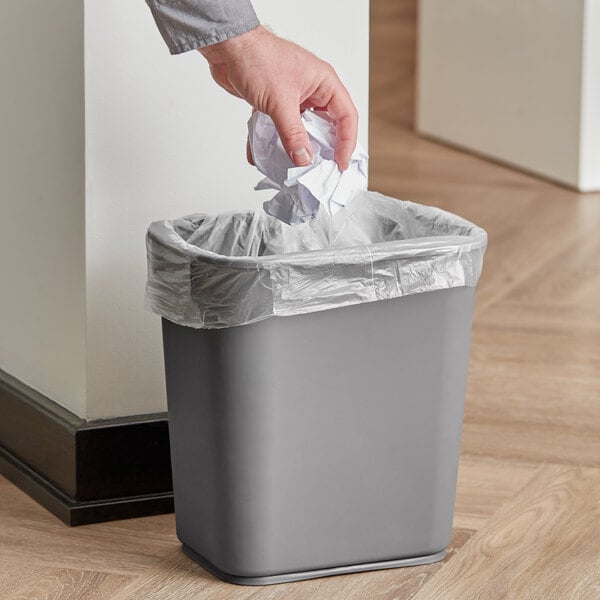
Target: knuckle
(329, 68)
(293, 134)
(351, 113)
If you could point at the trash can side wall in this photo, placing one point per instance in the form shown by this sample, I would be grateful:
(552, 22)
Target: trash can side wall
(194, 437)
(218, 420)
(455, 343)
(319, 440)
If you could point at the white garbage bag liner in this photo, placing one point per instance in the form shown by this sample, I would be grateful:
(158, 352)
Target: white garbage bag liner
(216, 271)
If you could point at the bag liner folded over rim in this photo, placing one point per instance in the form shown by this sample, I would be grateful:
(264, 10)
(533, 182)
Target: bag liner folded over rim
(217, 271)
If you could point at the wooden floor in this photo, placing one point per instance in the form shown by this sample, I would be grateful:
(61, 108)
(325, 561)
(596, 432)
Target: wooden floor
(527, 523)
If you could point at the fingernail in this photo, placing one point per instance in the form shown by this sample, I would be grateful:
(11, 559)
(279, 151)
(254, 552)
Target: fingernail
(301, 157)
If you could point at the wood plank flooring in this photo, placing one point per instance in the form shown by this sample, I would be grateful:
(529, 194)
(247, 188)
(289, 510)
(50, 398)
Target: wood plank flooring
(543, 543)
(527, 521)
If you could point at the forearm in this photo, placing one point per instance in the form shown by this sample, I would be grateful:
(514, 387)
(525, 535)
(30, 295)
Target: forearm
(191, 24)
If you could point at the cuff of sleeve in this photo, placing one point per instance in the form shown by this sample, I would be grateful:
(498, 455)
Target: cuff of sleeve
(188, 25)
(201, 41)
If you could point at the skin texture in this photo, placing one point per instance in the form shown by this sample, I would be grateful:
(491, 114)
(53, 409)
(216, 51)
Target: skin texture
(281, 79)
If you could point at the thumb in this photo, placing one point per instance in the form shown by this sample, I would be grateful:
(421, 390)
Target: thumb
(293, 134)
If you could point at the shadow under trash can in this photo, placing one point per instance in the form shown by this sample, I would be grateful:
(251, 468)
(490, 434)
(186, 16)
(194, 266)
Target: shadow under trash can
(315, 379)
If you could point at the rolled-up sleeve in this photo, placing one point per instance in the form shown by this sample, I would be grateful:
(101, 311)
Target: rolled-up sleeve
(190, 24)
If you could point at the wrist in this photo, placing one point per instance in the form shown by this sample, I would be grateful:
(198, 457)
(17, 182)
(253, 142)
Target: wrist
(228, 50)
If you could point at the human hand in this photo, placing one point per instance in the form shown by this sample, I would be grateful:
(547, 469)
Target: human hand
(281, 79)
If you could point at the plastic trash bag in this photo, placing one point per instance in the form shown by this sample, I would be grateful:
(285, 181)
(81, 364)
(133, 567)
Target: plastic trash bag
(216, 271)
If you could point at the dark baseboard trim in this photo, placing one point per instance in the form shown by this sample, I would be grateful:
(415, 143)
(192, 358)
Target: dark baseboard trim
(83, 472)
(72, 512)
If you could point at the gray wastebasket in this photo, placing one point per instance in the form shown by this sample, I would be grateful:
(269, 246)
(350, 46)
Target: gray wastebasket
(323, 440)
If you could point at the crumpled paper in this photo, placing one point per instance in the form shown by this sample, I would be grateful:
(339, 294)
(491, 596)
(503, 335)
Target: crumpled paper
(303, 190)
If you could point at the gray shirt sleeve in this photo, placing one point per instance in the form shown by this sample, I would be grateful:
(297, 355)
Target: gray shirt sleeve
(190, 24)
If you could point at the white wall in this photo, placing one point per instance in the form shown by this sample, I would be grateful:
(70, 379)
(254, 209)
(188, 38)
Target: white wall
(163, 140)
(42, 277)
(515, 80)
(589, 176)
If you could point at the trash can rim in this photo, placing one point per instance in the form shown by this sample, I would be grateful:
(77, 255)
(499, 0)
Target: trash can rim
(163, 233)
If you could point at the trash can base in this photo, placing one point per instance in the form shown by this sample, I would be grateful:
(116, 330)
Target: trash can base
(313, 574)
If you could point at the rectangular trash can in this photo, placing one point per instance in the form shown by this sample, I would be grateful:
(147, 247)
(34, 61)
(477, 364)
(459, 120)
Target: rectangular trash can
(325, 441)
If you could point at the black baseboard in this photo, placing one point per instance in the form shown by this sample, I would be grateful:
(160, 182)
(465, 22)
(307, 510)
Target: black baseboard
(83, 472)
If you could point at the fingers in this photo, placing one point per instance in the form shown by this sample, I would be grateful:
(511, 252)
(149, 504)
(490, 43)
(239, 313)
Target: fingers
(249, 157)
(345, 115)
(332, 96)
(292, 133)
